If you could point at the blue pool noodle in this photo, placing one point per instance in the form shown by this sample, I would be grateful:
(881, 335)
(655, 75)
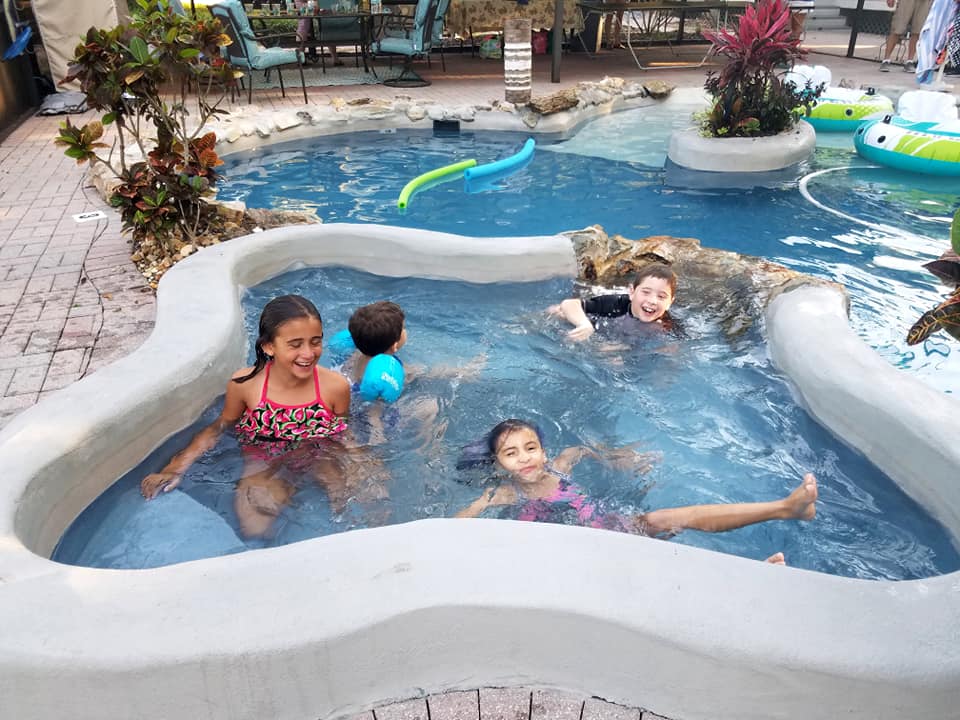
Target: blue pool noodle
(479, 177)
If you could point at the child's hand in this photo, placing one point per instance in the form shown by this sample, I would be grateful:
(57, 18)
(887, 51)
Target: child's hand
(155, 483)
(471, 370)
(581, 332)
(629, 459)
(555, 311)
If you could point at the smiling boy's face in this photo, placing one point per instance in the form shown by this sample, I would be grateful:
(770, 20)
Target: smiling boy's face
(650, 299)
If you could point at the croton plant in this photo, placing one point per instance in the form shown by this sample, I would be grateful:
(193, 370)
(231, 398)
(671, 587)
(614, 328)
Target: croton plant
(749, 95)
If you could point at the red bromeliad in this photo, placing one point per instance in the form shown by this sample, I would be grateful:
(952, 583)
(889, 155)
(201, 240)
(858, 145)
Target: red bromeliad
(749, 95)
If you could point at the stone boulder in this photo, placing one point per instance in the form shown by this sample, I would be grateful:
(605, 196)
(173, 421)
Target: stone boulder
(733, 287)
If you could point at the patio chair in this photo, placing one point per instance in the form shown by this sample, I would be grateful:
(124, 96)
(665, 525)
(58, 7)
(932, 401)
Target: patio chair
(438, 22)
(415, 41)
(246, 50)
(401, 25)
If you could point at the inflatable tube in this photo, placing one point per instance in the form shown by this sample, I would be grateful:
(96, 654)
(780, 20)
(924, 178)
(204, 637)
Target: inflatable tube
(481, 177)
(843, 109)
(418, 182)
(922, 147)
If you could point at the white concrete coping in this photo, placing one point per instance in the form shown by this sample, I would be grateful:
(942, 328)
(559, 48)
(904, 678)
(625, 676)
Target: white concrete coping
(337, 624)
(691, 150)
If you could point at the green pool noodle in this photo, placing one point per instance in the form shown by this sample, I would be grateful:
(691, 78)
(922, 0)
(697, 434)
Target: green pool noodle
(411, 187)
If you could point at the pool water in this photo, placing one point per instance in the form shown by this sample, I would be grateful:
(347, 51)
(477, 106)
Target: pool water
(720, 415)
(611, 173)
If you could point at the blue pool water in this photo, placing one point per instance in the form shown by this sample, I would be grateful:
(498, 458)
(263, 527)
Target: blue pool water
(622, 186)
(721, 416)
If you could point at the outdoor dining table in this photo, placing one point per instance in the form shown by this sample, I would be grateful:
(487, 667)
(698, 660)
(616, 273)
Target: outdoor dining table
(645, 17)
(370, 24)
(466, 17)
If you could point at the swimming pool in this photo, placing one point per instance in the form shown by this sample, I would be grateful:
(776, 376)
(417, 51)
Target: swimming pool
(719, 412)
(339, 624)
(611, 173)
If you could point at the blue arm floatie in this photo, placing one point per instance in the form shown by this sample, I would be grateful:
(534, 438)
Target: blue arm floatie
(340, 346)
(383, 379)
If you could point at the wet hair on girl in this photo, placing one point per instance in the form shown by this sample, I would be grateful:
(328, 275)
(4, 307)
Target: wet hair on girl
(484, 451)
(276, 313)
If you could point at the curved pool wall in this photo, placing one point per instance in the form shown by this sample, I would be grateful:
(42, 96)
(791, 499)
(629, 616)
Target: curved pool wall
(337, 624)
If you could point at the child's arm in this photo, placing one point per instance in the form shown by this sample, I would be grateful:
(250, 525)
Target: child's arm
(567, 459)
(169, 477)
(624, 458)
(499, 495)
(470, 370)
(335, 391)
(572, 311)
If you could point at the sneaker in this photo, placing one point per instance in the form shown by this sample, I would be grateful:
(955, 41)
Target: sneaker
(910, 66)
(884, 66)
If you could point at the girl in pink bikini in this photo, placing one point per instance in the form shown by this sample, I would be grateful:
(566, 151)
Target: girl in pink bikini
(543, 490)
(288, 414)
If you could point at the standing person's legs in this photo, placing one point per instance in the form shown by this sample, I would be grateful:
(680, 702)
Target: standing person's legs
(892, 40)
(797, 20)
(921, 9)
(898, 26)
(798, 505)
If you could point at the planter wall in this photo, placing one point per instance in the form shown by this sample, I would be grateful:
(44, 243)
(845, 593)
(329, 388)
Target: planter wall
(761, 154)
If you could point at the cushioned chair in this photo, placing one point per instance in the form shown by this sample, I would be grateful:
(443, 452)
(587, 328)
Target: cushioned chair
(415, 41)
(401, 29)
(246, 50)
(438, 22)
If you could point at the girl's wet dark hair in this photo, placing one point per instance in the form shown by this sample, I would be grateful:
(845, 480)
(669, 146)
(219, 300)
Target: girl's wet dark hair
(276, 313)
(484, 450)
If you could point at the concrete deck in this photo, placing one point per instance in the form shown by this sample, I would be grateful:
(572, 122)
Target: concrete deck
(71, 299)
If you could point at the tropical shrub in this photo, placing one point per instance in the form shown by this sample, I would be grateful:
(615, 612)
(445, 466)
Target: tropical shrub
(140, 76)
(749, 95)
(946, 316)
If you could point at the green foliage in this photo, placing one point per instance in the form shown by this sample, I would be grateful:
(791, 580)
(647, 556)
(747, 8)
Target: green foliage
(749, 95)
(955, 232)
(138, 77)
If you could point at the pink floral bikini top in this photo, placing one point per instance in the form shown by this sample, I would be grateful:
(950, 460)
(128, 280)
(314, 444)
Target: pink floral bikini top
(270, 421)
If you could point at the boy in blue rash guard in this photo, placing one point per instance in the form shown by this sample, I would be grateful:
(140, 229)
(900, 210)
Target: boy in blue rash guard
(649, 298)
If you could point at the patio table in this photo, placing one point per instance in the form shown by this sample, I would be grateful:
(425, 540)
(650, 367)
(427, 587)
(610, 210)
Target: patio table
(466, 17)
(647, 17)
(367, 23)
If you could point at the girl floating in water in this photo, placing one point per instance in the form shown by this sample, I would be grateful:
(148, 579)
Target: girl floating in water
(289, 416)
(542, 490)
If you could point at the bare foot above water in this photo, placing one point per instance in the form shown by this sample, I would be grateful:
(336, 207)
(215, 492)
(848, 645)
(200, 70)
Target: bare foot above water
(801, 502)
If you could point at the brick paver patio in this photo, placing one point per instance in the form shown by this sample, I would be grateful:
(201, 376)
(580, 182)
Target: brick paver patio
(505, 704)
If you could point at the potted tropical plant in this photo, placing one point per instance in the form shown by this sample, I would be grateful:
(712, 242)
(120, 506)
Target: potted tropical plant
(946, 315)
(140, 77)
(753, 121)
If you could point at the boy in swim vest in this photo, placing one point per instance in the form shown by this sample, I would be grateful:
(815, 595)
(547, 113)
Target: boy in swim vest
(650, 296)
(378, 331)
